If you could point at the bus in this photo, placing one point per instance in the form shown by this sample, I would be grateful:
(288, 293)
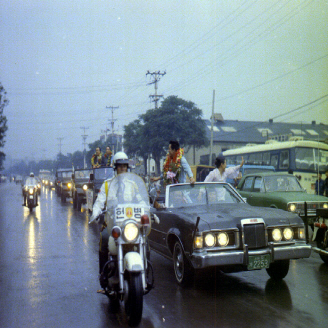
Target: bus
(304, 158)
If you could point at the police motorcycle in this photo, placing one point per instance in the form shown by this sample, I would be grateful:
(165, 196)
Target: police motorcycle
(30, 193)
(128, 274)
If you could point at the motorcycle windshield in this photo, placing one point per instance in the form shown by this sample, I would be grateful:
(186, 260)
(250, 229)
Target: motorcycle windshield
(127, 188)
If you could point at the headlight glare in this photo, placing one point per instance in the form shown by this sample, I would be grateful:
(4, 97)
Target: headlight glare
(209, 240)
(30, 191)
(69, 185)
(131, 231)
(325, 205)
(292, 207)
(85, 187)
(198, 242)
(288, 234)
(301, 233)
(223, 239)
(276, 234)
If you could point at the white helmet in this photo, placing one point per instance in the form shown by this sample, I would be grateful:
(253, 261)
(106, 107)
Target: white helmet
(31, 174)
(120, 158)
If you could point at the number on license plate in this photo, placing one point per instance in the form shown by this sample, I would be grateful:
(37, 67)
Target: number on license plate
(258, 262)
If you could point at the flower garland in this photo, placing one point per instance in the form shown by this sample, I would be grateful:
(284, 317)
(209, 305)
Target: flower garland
(171, 168)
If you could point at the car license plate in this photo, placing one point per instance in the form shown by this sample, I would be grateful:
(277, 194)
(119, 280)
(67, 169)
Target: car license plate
(31, 197)
(258, 262)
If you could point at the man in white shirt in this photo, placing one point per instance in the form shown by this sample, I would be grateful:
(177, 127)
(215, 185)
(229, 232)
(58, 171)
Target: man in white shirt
(221, 173)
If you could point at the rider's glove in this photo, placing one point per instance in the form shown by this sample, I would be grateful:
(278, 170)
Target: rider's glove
(156, 218)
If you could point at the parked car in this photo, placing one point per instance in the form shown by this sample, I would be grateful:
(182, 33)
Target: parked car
(97, 177)
(80, 184)
(280, 190)
(210, 225)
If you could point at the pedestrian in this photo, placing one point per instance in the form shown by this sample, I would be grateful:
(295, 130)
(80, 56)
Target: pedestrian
(97, 159)
(319, 185)
(221, 173)
(175, 166)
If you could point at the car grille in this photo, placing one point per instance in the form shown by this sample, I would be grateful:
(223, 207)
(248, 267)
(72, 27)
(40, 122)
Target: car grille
(254, 235)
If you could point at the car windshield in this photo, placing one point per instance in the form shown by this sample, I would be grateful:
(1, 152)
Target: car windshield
(282, 183)
(201, 194)
(67, 174)
(83, 174)
(104, 173)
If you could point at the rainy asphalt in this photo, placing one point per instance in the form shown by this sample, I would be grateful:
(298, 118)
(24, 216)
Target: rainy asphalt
(49, 270)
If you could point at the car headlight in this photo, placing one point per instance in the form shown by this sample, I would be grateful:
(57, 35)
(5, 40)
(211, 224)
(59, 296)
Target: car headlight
(292, 207)
(301, 233)
(198, 242)
(31, 191)
(325, 205)
(276, 234)
(130, 232)
(51, 183)
(85, 187)
(69, 185)
(209, 240)
(223, 239)
(288, 234)
(39, 186)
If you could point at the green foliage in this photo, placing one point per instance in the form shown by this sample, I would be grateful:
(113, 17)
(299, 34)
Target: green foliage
(176, 119)
(3, 122)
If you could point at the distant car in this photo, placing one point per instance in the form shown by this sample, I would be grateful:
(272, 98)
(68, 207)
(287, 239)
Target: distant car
(280, 190)
(64, 183)
(210, 225)
(80, 184)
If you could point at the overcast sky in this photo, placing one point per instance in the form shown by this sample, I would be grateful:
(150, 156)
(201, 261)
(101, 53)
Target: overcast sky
(63, 62)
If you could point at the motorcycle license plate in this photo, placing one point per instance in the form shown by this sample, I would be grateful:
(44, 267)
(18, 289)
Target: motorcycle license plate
(128, 212)
(31, 197)
(258, 262)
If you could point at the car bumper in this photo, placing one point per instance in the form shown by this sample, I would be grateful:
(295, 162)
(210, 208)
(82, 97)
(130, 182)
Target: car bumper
(240, 257)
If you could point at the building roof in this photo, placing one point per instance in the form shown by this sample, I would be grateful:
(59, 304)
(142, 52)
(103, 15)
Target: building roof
(258, 132)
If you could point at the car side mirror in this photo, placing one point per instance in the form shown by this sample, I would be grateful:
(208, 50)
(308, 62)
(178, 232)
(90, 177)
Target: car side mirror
(92, 177)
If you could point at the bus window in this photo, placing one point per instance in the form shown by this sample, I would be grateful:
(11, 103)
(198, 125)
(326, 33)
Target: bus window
(231, 160)
(274, 161)
(266, 158)
(284, 159)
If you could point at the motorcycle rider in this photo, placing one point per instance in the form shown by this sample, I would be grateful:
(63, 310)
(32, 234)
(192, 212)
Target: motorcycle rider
(30, 181)
(107, 195)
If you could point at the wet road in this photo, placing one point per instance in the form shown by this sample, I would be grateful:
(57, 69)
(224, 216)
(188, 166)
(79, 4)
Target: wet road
(49, 269)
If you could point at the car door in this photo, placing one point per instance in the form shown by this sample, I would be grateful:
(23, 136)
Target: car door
(246, 189)
(258, 195)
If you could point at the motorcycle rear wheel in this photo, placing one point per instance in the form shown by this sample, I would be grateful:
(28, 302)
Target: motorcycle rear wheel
(134, 302)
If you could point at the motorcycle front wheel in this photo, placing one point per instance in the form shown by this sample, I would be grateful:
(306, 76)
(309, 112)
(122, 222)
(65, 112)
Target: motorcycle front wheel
(134, 300)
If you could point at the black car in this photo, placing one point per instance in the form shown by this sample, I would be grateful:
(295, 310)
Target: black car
(80, 185)
(97, 177)
(64, 183)
(210, 225)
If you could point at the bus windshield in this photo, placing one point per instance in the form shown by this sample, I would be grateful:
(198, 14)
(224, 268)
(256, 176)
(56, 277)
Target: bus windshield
(309, 158)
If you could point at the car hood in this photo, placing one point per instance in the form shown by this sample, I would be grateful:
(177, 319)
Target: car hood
(294, 196)
(226, 216)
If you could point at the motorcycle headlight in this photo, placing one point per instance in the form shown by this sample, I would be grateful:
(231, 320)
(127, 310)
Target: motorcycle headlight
(69, 185)
(39, 186)
(276, 234)
(209, 240)
(288, 234)
(292, 207)
(30, 191)
(325, 205)
(130, 232)
(223, 239)
(85, 187)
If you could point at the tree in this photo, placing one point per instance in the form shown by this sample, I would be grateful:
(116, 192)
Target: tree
(3, 122)
(134, 143)
(176, 119)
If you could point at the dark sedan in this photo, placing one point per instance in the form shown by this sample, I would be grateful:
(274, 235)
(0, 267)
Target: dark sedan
(209, 224)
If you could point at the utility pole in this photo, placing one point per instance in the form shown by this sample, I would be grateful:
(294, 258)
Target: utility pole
(84, 137)
(212, 121)
(157, 77)
(112, 124)
(60, 144)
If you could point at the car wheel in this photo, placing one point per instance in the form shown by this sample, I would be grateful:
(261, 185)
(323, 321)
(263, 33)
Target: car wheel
(184, 272)
(320, 239)
(278, 270)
